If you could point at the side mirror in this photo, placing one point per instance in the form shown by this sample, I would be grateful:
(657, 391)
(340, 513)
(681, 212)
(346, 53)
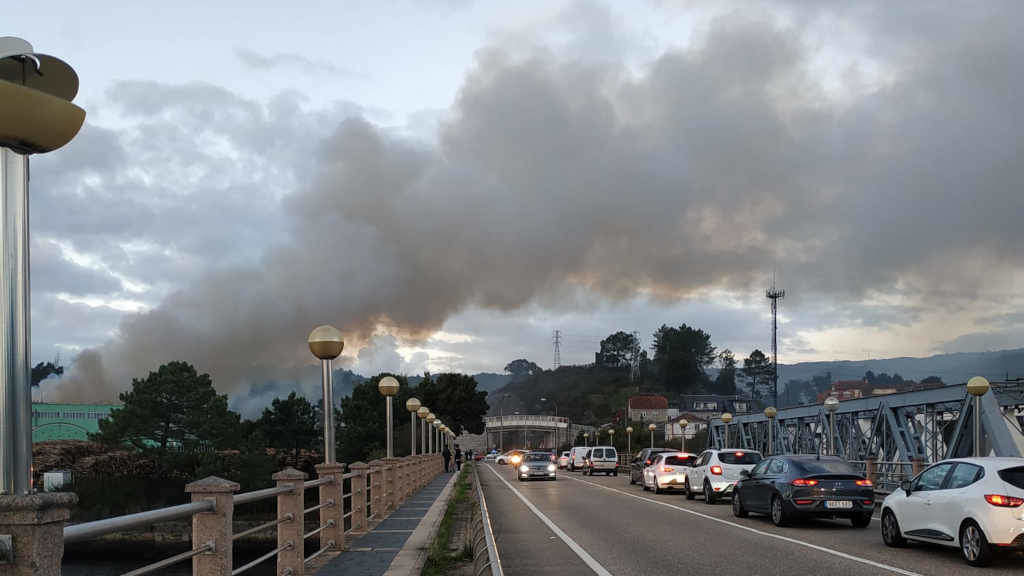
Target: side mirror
(744, 473)
(905, 485)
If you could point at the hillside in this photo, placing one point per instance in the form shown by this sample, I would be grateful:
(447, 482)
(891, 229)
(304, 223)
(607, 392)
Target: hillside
(952, 368)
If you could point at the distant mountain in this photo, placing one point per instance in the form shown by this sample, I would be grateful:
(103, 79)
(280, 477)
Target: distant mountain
(952, 368)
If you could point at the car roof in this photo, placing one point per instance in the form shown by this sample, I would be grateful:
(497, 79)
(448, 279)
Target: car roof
(989, 460)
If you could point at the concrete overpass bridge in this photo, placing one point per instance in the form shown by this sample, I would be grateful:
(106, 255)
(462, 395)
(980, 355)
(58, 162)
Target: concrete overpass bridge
(527, 431)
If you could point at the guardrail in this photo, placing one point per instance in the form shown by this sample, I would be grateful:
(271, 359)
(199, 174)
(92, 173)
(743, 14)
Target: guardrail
(887, 475)
(485, 556)
(346, 504)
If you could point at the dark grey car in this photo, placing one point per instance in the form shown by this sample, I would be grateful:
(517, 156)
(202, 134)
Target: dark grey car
(539, 465)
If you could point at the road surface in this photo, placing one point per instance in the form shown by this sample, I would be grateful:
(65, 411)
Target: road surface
(603, 525)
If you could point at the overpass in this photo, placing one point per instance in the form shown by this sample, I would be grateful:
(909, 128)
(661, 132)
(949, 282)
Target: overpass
(528, 431)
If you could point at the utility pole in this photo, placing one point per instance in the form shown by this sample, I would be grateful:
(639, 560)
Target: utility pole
(556, 338)
(775, 294)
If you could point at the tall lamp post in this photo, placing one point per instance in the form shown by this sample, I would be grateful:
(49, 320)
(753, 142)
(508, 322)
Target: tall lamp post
(388, 387)
(683, 423)
(629, 440)
(326, 344)
(652, 428)
(977, 387)
(555, 404)
(586, 443)
(726, 418)
(430, 430)
(831, 404)
(501, 418)
(37, 116)
(770, 413)
(412, 405)
(611, 436)
(422, 413)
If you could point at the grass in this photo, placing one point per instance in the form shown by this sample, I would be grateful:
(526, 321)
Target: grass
(441, 560)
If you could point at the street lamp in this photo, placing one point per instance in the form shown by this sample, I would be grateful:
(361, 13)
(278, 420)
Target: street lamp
(977, 387)
(586, 435)
(652, 428)
(36, 116)
(501, 418)
(726, 418)
(555, 404)
(326, 344)
(435, 438)
(412, 405)
(770, 413)
(629, 439)
(388, 387)
(430, 430)
(422, 413)
(683, 423)
(831, 404)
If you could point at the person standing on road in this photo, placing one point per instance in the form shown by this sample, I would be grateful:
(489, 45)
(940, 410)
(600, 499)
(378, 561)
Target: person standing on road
(458, 458)
(447, 455)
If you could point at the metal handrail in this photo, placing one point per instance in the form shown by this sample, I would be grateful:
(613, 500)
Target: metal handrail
(97, 528)
(485, 519)
(262, 559)
(309, 535)
(316, 554)
(257, 495)
(170, 561)
(287, 518)
(327, 504)
(348, 475)
(318, 482)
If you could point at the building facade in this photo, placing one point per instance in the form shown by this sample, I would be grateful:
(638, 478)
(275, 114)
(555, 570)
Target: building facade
(648, 408)
(67, 421)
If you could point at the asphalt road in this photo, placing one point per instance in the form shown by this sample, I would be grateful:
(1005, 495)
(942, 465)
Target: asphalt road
(603, 525)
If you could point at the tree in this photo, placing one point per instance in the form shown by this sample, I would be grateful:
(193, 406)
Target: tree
(289, 424)
(42, 371)
(361, 434)
(455, 399)
(725, 382)
(522, 368)
(618, 350)
(681, 356)
(174, 406)
(757, 369)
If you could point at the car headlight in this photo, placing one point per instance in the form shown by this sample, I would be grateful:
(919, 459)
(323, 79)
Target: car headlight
(516, 459)
(551, 467)
(524, 468)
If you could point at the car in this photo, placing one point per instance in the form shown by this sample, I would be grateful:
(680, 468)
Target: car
(667, 471)
(507, 457)
(536, 465)
(642, 460)
(491, 456)
(602, 459)
(716, 472)
(975, 504)
(577, 456)
(804, 485)
(563, 460)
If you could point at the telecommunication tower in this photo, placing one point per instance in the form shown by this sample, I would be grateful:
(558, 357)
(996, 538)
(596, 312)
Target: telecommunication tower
(775, 294)
(634, 358)
(556, 338)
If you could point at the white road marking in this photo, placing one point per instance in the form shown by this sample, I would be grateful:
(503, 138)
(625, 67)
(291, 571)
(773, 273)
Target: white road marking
(831, 551)
(586, 557)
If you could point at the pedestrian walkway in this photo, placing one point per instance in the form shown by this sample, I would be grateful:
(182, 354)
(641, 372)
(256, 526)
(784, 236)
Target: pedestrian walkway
(372, 553)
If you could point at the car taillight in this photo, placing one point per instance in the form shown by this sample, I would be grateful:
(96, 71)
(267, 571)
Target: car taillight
(667, 469)
(716, 470)
(802, 502)
(804, 482)
(647, 462)
(864, 483)
(1003, 501)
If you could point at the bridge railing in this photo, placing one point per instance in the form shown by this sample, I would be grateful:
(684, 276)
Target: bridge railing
(346, 504)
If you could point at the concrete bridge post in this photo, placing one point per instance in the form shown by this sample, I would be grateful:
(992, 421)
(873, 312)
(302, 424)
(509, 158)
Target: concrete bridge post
(870, 468)
(213, 527)
(334, 513)
(390, 470)
(376, 489)
(34, 524)
(290, 559)
(361, 469)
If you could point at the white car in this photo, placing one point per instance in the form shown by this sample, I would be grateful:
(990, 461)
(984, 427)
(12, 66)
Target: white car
(563, 460)
(668, 471)
(601, 459)
(975, 504)
(716, 472)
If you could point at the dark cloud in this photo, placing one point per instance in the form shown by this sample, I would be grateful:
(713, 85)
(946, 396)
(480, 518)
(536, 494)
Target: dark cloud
(551, 174)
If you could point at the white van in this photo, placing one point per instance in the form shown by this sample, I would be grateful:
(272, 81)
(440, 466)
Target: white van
(578, 457)
(602, 459)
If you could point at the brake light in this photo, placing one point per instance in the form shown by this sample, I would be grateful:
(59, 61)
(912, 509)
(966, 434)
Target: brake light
(667, 469)
(716, 470)
(802, 502)
(804, 482)
(739, 454)
(1004, 501)
(647, 462)
(864, 482)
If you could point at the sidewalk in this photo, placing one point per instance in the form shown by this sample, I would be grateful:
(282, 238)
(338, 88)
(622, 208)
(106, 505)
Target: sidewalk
(372, 554)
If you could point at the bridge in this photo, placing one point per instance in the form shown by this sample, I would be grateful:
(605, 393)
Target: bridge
(528, 431)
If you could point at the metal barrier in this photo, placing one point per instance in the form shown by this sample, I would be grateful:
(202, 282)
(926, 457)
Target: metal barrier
(373, 491)
(484, 534)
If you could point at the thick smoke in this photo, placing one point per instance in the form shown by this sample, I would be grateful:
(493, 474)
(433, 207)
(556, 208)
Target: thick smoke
(703, 172)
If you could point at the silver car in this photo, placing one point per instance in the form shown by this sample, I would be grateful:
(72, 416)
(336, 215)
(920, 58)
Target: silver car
(536, 465)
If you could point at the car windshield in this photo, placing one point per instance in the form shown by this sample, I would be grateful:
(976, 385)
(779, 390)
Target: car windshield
(565, 454)
(1013, 476)
(828, 466)
(537, 457)
(739, 457)
(598, 453)
(679, 460)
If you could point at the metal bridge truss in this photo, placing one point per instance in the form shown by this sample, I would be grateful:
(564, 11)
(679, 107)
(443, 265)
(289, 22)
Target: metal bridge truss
(924, 425)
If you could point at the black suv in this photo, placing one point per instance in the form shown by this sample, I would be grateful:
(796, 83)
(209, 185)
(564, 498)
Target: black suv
(641, 461)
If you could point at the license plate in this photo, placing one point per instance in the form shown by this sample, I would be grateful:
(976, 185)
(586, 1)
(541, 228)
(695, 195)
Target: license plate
(840, 504)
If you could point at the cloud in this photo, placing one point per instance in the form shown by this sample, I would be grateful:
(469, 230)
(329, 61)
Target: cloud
(291, 61)
(554, 176)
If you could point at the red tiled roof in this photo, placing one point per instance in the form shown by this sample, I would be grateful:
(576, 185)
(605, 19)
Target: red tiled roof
(650, 402)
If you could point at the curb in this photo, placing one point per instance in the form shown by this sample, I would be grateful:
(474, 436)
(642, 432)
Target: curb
(413, 555)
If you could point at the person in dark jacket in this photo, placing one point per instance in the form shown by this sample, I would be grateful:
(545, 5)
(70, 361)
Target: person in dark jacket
(447, 459)
(458, 458)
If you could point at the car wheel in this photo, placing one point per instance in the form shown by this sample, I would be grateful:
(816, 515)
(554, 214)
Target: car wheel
(891, 534)
(615, 473)
(689, 493)
(779, 512)
(862, 520)
(709, 494)
(737, 506)
(631, 481)
(657, 489)
(974, 547)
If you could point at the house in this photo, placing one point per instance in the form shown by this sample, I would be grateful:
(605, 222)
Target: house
(648, 408)
(707, 406)
(847, 390)
(694, 424)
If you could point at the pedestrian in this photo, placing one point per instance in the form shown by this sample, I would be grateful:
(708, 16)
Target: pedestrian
(447, 455)
(458, 458)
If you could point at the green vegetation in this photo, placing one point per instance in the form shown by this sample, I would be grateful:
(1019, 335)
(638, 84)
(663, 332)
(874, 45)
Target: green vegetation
(441, 560)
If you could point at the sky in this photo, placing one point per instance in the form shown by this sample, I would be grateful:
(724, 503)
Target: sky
(450, 181)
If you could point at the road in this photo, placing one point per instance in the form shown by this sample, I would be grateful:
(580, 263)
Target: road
(603, 525)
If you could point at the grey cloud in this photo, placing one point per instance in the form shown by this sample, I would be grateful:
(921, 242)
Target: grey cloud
(716, 165)
(292, 61)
